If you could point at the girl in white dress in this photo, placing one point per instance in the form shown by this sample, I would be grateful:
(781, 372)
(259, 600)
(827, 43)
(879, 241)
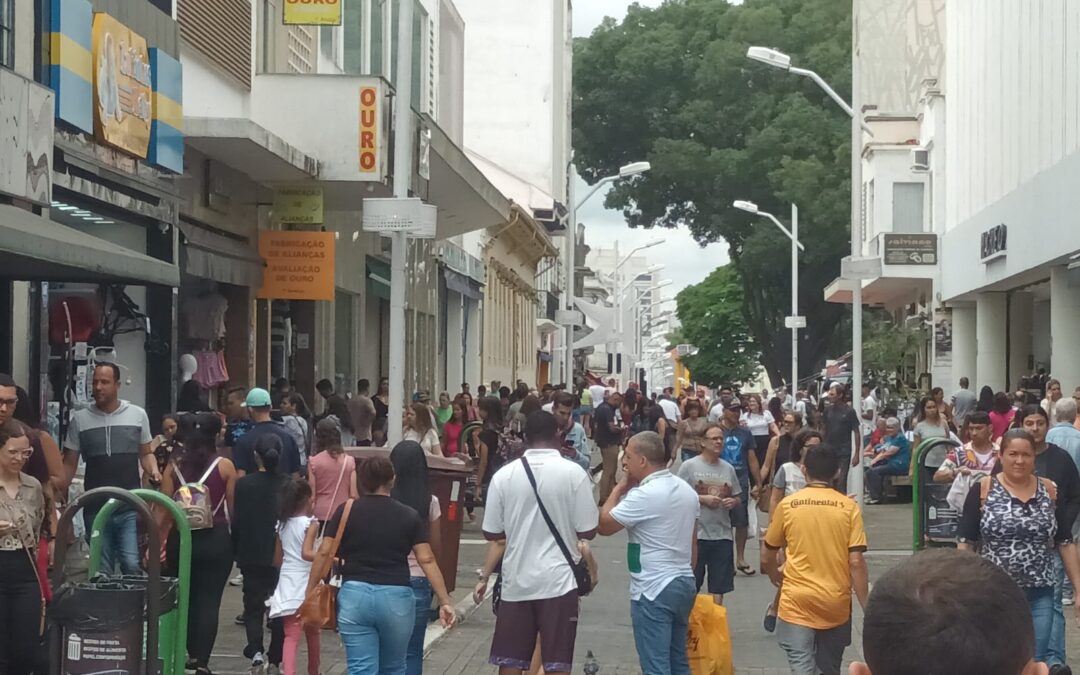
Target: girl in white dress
(297, 532)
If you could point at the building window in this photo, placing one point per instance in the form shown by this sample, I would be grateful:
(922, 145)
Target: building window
(7, 33)
(908, 207)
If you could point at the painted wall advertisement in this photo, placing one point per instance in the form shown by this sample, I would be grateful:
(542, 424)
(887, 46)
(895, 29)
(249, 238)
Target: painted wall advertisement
(299, 265)
(312, 13)
(122, 87)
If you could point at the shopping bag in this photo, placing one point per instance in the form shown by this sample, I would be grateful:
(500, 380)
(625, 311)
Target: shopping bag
(708, 642)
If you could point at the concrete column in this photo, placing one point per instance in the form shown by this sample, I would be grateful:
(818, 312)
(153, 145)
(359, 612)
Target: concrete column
(1064, 328)
(963, 346)
(1021, 309)
(473, 343)
(455, 347)
(990, 331)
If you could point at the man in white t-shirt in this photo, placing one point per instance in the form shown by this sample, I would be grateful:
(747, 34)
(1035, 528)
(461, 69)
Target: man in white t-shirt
(659, 512)
(869, 413)
(539, 591)
(597, 393)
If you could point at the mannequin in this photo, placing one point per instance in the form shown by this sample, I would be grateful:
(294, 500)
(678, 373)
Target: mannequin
(188, 366)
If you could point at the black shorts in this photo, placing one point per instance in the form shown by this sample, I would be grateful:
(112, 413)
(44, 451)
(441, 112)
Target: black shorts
(740, 515)
(717, 557)
(517, 625)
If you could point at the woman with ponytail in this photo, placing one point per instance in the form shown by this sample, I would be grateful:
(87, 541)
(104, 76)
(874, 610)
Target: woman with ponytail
(254, 538)
(211, 547)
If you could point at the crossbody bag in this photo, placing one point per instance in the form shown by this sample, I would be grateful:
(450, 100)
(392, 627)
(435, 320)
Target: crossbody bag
(580, 568)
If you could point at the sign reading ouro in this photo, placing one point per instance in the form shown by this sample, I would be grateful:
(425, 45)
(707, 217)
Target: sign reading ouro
(369, 129)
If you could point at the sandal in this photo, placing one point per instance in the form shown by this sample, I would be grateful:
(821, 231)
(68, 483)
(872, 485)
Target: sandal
(746, 569)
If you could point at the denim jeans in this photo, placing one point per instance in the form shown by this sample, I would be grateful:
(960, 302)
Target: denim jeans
(1041, 602)
(414, 662)
(120, 542)
(1055, 649)
(375, 624)
(660, 627)
(811, 651)
(875, 478)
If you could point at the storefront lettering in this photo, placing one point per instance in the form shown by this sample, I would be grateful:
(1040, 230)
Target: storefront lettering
(369, 129)
(312, 2)
(994, 243)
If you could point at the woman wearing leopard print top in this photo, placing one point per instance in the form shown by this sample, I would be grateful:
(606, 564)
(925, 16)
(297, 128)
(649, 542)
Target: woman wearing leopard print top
(1016, 521)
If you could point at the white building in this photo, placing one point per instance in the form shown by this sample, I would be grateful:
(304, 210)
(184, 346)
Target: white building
(517, 130)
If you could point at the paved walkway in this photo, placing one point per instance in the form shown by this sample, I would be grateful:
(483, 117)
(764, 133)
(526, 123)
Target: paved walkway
(605, 619)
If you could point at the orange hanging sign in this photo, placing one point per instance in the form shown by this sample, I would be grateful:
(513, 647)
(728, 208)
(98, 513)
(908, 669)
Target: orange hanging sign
(299, 265)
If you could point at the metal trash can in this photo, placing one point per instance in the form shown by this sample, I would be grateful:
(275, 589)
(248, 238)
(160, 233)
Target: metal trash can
(100, 624)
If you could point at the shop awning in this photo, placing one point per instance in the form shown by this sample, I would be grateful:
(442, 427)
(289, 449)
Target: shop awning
(378, 278)
(215, 256)
(455, 281)
(36, 248)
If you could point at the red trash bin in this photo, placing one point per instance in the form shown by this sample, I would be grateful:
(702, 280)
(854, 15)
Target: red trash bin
(447, 476)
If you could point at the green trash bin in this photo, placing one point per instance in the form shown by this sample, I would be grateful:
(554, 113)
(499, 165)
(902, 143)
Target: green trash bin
(167, 619)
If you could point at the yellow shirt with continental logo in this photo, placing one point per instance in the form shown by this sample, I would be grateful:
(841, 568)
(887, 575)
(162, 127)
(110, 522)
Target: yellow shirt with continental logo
(819, 527)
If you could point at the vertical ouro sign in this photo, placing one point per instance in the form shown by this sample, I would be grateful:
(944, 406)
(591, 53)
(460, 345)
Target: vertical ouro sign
(369, 130)
(122, 86)
(312, 13)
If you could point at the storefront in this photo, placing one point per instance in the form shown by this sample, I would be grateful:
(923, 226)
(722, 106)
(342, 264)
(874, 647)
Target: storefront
(93, 272)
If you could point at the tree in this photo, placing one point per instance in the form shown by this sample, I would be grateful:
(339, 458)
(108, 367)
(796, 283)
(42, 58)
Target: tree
(711, 316)
(891, 350)
(673, 86)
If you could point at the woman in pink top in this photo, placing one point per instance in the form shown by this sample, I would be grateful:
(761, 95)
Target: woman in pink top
(459, 418)
(1001, 417)
(331, 472)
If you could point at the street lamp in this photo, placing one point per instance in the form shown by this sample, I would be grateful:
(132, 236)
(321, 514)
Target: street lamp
(777, 59)
(625, 171)
(792, 321)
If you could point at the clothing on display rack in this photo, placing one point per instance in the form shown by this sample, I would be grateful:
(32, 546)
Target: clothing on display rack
(205, 316)
(212, 370)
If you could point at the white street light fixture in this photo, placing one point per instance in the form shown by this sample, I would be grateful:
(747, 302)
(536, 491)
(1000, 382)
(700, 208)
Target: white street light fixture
(633, 169)
(653, 269)
(625, 171)
(780, 60)
(795, 320)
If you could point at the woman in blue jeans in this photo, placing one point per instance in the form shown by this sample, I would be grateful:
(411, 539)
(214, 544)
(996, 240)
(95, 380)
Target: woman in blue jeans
(376, 604)
(1017, 522)
(412, 488)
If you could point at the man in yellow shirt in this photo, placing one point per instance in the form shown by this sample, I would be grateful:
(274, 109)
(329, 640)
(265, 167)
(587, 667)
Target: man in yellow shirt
(822, 532)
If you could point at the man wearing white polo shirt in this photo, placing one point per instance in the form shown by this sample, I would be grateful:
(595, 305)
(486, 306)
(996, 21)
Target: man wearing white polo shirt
(659, 511)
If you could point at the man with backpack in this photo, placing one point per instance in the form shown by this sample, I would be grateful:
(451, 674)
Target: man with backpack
(537, 509)
(258, 404)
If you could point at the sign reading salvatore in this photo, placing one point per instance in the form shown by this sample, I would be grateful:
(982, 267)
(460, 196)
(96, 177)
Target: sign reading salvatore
(299, 265)
(122, 88)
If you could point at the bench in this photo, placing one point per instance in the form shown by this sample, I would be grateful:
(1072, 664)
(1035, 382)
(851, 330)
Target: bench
(894, 482)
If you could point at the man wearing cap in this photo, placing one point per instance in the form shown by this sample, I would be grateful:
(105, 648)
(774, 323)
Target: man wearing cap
(738, 452)
(259, 404)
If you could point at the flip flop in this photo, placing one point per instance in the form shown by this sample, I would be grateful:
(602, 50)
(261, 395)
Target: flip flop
(746, 569)
(770, 619)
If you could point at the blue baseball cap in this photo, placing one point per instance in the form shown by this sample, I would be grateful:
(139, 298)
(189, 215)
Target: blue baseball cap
(258, 398)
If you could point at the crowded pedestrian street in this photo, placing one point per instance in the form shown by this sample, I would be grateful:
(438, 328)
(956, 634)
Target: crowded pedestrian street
(522, 337)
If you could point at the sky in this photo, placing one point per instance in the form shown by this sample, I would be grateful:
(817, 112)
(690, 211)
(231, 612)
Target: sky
(685, 262)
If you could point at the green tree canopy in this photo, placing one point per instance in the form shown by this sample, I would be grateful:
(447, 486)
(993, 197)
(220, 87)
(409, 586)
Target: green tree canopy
(711, 316)
(673, 86)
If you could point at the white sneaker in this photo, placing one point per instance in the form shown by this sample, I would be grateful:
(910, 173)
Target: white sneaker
(1068, 602)
(258, 664)
(238, 580)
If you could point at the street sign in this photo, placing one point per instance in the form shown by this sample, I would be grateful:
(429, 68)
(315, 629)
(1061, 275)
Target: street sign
(569, 317)
(861, 269)
(411, 216)
(794, 322)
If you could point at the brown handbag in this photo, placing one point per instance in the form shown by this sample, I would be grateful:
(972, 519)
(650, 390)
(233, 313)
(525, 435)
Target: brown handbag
(319, 609)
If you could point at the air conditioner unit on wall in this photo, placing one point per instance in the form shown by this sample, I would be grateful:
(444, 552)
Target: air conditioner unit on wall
(920, 159)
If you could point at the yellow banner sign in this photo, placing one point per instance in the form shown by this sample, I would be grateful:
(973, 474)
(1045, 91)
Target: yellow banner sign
(369, 129)
(122, 92)
(312, 13)
(303, 205)
(299, 265)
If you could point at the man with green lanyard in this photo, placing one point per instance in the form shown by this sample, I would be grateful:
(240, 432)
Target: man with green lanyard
(659, 512)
